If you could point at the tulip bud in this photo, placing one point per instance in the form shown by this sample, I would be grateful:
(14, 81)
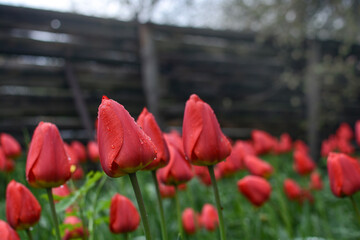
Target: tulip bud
(285, 144)
(124, 217)
(178, 169)
(292, 189)
(76, 230)
(344, 174)
(315, 181)
(203, 174)
(256, 189)
(303, 164)
(263, 141)
(75, 167)
(209, 217)
(61, 191)
(123, 146)
(357, 132)
(22, 208)
(80, 150)
(47, 164)
(7, 233)
(93, 151)
(344, 132)
(10, 146)
(204, 142)
(189, 221)
(148, 123)
(6, 165)
(258, 167)
(299, 145)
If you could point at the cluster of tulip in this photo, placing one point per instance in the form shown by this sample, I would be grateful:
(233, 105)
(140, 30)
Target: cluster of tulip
(125, 146)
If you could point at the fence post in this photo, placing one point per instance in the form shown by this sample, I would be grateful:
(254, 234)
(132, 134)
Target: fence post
(149, 70)
(79, 100)
(312, 95)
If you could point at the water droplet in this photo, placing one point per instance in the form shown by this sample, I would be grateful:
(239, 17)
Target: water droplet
(108, 128)
(112, 146)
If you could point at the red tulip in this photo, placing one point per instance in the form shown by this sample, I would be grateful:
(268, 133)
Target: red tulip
(326, 148)
(299, 145)
(123, 146)
(75, 230)
(148, 123)
(178, 169)
(22, 208)
(209, 217)
(204, 142)
(292, 189)
(47, 163)
(6, 232)
(76, 170)
(303, 164)
(258, 167)
(285, 144)
(203, 174)
(357, 132)
(124, 217)
(190, 221)
(263, 141)
(80, 150)
(10, 146)
(345, 146)
(344, 132)
(344, 174)
(315, 181)
(6, 165)
(306, 195)
(61, 191)
(256, 189)
(93, 151)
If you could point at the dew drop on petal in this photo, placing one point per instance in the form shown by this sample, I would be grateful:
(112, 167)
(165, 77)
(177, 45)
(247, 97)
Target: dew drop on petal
(112, 146)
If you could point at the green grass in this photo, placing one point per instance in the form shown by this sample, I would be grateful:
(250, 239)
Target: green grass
(327, 218)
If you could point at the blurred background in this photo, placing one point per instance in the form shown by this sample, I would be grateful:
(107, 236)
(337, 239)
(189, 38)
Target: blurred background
(276, 65)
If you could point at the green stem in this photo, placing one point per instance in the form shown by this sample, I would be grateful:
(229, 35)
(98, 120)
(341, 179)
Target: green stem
(91, 220)
(140, 202)
(28, 233)
(53, 213)
(126, 236)
(218, 203)
(355, 208)
(178, 213)
(81, 203)
(162, 217)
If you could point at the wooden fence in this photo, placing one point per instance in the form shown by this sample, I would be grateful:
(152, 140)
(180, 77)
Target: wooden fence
(56, 67)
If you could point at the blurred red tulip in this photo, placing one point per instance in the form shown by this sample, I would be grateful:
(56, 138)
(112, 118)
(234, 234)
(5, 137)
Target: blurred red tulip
(47, 163)
(203, 174)
(299, 145)
(303, 164)
(285, 144)
(22, 208)
(123, 146)
(75, 168)
(263, 141)
(6, 165)
(357, 132)
(306, 195)
(93, 151)
(124, 217)
(315, 181)
(292, 190)
(10, 146)
(344, 174)
(326, 148)
(6, 232)
(148, 123)
(344, 132)
(75, 229)
(190, 221)
(204, 142)
(80, 150)
(258, 167)
(256, 189)
(209, 217)
(61, 191)
(178, 170)
(345, 146)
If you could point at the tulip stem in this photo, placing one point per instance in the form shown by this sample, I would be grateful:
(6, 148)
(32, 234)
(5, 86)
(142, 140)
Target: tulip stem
(140, 202)
(357, 213)
(126, 236)
(28, 233)
(91, 220)
(53, 212)
(218, 203)
(162, 217)
(178, 213)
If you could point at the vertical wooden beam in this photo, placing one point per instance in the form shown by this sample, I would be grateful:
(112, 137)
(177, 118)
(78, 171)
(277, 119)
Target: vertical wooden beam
(79, 100)
(149, 70)
(312, 95)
